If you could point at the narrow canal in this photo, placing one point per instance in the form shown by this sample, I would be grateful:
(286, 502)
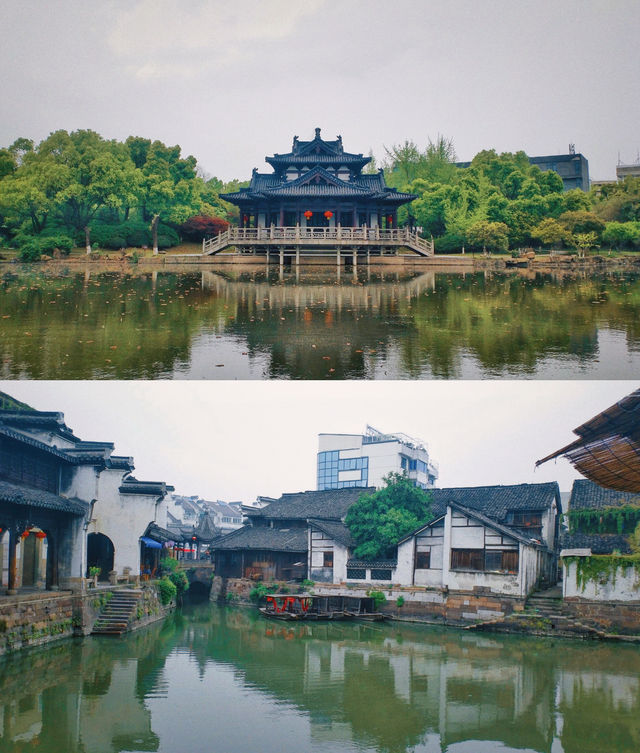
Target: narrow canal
(224, 680)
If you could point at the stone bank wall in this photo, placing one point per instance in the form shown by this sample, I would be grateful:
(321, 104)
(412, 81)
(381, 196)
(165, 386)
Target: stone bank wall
(35, 619)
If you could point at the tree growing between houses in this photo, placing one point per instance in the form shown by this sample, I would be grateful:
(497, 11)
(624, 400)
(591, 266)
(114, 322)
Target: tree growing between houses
(379, 520)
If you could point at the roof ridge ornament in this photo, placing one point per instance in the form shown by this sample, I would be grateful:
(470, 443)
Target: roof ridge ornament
(318, 133)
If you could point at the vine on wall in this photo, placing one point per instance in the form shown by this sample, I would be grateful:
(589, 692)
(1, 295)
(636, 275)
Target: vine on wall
(620, 520)
(602, 568)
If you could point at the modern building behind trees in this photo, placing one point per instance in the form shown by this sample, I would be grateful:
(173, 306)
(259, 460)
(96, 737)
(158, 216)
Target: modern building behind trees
(351, 460)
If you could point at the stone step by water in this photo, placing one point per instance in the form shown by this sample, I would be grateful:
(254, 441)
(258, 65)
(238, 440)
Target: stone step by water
(116, 613)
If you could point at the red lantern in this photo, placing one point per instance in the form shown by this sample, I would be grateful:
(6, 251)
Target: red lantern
(308, 214)
(245, 218)
(328, 214)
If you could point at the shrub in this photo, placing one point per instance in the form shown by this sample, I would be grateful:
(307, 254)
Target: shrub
(180, 581)
(259, 593)
(202, 226)
(167, 591)
(32, 247)
(167, 237)
(450, 243)
(378, 598)
(400, 601)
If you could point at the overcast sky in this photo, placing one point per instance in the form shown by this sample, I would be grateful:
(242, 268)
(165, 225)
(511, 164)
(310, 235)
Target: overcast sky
(235, 440)
(233, 81)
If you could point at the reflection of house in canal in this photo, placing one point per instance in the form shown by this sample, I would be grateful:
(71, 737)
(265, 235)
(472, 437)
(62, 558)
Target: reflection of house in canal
(391, 690)
(86, 699)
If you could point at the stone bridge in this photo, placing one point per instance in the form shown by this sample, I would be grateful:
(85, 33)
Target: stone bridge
(199, 574)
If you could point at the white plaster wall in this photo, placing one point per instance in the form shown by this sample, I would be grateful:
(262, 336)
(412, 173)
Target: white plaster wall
(626, 586)
(123, 518)
(82, 482)
(404, 568)
(340, 557)
(549, 526)
(466, 580)
(467, 537)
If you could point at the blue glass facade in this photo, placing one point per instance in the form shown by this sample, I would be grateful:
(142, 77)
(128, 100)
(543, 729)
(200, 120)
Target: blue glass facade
(330, 465)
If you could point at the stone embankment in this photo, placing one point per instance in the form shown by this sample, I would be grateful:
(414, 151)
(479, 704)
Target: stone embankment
(42, 617)
(543, 613)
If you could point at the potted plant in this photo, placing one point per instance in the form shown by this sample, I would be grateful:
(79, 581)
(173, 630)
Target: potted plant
(94, 572)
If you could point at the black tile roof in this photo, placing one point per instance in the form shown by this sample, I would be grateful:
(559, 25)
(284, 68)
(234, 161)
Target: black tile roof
(587, 495)
(497, 501)
(206, 530)
(271, 539)
(372, 563)
(157, 533)
(328, 185)
(131, 485)
(489, 521)
(63, 454)
(22, 495)
(338, 531)
(599, 543)
(330, 504)
(305, 160)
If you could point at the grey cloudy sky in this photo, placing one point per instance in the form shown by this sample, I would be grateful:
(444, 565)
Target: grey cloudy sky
(232, 82)
(235, 440)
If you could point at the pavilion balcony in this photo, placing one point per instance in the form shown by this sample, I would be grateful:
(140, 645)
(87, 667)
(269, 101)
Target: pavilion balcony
(353, 238)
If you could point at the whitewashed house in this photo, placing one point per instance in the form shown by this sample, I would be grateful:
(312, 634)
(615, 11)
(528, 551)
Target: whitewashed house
(599, 539)
(500, 538)
(67, 505)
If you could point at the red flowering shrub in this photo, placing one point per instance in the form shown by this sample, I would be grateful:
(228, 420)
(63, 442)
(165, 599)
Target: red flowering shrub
(202, 226)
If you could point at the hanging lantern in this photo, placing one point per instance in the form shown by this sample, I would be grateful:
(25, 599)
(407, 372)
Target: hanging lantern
(389, 218)
(308, 214)
(328, 214)
(41, 535)
(245, 218)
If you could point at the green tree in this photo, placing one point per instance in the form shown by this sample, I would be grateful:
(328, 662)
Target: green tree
(170, 188)
(621, 234)
(379, 520)
(403, 163)
(489, 235)
(581, 221)
(551, 233)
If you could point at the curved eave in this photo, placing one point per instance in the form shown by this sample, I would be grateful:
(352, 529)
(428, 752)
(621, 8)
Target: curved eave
(306, 160)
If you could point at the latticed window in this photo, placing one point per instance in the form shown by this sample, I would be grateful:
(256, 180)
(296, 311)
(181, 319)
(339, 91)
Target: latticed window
(467, 559)
(327, 559)
(423, 560)
(356, 573)
(380, 574)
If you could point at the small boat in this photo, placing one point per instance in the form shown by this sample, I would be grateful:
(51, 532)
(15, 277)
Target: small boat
(310, 607)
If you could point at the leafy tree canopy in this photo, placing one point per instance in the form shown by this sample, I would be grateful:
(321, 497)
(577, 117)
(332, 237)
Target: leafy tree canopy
(379, 520)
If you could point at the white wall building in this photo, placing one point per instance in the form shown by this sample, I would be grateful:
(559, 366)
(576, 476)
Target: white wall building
(349, 460)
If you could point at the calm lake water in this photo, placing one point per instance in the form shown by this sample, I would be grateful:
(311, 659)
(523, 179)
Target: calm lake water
(225, 680)
(210, 325)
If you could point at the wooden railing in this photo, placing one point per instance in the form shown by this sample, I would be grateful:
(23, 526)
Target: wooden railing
(318, 236)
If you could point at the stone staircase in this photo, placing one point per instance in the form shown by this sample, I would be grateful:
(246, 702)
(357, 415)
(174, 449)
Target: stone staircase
(548, 605)
(117, 613)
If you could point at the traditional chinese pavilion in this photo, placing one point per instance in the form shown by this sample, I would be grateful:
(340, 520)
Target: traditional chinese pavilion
(318, 185)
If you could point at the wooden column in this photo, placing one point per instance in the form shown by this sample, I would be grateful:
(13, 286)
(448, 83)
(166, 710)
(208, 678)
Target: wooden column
(281, 217)
(13, 540)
